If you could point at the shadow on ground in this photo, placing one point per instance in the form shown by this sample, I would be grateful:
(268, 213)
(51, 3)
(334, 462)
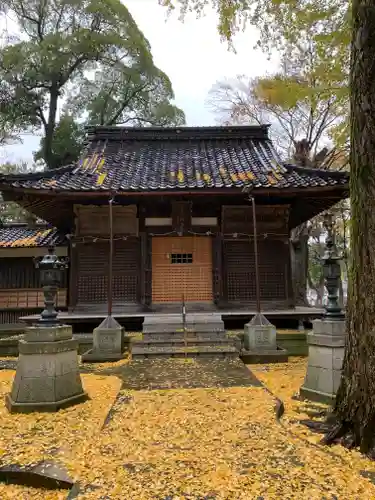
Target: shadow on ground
(149, 374)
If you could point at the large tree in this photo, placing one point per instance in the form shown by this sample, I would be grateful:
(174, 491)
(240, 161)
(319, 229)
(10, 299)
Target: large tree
(355, 402)
(139, 95)
(308, 127)
(58, 43)
(67, 142)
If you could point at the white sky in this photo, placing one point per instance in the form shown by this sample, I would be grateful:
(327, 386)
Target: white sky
(193, 57)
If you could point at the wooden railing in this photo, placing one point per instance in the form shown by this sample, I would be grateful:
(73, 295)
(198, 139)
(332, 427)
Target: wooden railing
(27, 298)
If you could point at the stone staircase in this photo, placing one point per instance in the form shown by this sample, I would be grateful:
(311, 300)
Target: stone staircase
(193, 335)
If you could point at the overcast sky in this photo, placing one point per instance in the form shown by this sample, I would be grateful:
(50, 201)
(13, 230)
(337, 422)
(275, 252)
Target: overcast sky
(191, 54)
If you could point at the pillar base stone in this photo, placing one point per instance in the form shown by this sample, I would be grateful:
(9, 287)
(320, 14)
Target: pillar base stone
(47, 375)
(316, 396)
(14, 407)
(108, 343)
(326, 354)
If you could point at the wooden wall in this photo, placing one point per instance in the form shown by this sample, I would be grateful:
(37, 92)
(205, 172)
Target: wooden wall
(233, 258)
(20, 288)
(273, 256)
(90, 253)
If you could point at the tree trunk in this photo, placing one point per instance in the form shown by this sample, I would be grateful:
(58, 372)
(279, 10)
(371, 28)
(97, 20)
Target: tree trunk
(300, 263)
(355, 403)
(50, 127)
(300, 235)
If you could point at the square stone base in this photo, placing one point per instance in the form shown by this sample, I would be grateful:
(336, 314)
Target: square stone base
(316, 396)
(47, 375)
(253, 357)
(108, 345)
(326, 354)
(14, 407)
(260, 337)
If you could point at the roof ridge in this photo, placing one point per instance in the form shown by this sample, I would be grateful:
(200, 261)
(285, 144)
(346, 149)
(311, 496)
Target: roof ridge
(38, 225)
(45, 174)
(320, 171)
(177, 133)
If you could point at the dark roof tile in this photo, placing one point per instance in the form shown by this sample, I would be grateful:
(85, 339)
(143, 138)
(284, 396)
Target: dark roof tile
(147, 159)
(22, 236)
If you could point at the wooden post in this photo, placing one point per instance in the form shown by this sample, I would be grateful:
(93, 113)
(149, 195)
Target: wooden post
(110, 263)
(256, 260)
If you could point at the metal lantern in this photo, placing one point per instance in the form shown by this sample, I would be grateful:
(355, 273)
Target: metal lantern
(331, 272)
(51, 268)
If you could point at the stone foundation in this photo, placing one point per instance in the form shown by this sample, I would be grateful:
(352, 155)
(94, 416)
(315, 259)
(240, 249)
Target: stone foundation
(260, 343)
(326, 354)
(108, 343)
(47, 376)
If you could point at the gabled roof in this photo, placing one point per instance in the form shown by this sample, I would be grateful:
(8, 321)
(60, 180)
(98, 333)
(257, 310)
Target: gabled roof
(124, 159)
(22, 236)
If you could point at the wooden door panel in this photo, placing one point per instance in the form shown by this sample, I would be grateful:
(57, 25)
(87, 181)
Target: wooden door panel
(93, 272)
(181, 268)
(240, 270)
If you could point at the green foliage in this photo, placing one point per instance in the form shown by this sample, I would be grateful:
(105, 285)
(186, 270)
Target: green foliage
(60, 42)
(278, 20)
(313, 37)
(10, 211)
(315, 271)
(138, 95)
(67, 142)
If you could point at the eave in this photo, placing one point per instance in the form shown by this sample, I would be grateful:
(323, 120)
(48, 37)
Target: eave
(56, 207)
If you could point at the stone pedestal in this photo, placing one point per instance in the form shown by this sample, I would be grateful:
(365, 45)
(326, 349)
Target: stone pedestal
(260, 343)
(47, 376)
(108, 343)
(326, 354)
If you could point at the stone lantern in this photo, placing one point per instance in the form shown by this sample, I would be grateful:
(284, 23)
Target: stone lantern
(331, 272)
(51, 268)
(47, 376)
(328, 338)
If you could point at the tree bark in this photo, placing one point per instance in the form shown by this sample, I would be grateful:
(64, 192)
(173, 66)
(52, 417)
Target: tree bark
(355, 403)
(50, 126)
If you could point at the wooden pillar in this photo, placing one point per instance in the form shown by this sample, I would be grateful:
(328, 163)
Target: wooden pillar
(181, 216)
(217, 268)
(72, 298)
(145, 270)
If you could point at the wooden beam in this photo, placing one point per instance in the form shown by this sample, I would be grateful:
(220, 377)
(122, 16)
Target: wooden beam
(341, 191)
(31, 252)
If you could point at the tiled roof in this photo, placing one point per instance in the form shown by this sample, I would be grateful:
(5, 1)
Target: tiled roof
(148, 159)
(22, 236)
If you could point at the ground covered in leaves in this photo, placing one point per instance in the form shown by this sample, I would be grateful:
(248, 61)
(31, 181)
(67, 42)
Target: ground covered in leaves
(181, 443)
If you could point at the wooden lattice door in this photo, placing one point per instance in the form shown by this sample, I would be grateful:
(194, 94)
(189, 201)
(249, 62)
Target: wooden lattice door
(93, 260)
(182, 267)
(240, 270)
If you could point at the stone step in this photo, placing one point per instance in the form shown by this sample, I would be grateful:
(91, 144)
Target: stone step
(224, 351)
(169, 323)
(177, 327)
(179, 335)
(181, 341)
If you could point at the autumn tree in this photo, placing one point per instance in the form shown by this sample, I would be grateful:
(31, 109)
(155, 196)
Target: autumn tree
(58, 43)
(307, 129)
(355, 402)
